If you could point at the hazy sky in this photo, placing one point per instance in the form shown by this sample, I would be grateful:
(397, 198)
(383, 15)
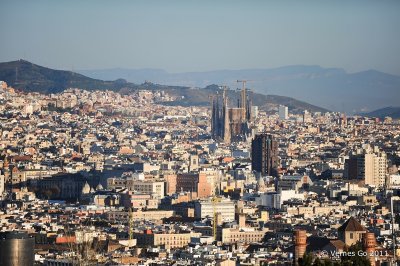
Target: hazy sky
(181, 36)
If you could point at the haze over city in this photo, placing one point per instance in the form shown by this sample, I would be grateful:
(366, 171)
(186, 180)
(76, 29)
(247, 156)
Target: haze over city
(199, 133)
(183, 36)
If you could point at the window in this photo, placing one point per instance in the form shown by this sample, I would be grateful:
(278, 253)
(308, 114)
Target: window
(351, 235)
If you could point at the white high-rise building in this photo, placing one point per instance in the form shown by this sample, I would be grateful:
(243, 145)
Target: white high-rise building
(307, 117)
(375, 169)
(283, 112)
(254, 112)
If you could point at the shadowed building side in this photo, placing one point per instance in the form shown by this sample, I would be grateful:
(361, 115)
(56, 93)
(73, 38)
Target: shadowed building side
(264, 154)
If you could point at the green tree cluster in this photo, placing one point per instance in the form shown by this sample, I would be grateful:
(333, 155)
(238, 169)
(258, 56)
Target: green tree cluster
(356, 260)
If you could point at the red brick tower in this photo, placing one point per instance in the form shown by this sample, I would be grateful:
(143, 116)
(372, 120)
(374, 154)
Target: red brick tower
(369, 244)
(300, 245)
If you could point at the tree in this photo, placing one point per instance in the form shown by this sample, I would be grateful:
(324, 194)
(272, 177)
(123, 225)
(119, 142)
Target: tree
(306, 260)
(318, 262)
(355, 260)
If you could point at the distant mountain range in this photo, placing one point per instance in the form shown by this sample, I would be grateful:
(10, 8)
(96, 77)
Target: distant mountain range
(331, 88)
(26, 76)
(393, 112)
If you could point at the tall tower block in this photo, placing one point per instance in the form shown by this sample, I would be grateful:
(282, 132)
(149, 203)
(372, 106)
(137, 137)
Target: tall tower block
(264, 154)
(300, 245)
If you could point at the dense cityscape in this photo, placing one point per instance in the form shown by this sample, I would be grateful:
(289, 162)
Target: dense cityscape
(102, 178)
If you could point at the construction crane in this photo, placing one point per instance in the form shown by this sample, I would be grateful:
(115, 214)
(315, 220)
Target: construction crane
(243, 93)
(243, 83)
(214, 200)
(130, 226)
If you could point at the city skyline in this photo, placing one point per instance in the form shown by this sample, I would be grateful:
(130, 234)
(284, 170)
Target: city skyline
(127, 139)
(100, 176)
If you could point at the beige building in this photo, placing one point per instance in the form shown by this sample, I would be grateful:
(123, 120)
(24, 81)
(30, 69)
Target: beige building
(17, 176)
(375, 169)
(23, 175)
(168, 240)
(308, 211)
(247, 235)
(369, 200)
(226, 262)
(155, 188)
(212, 176)
(351, 232)
(193, 163)
(139, 215)
(139, 201)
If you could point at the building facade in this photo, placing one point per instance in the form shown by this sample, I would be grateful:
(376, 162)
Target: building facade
(264, 154)
(231, 124)
(168, 240)
(370, 166)
(235, 235)
(199, 184)
(283, 112)
(150, 187)
(204, 209)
